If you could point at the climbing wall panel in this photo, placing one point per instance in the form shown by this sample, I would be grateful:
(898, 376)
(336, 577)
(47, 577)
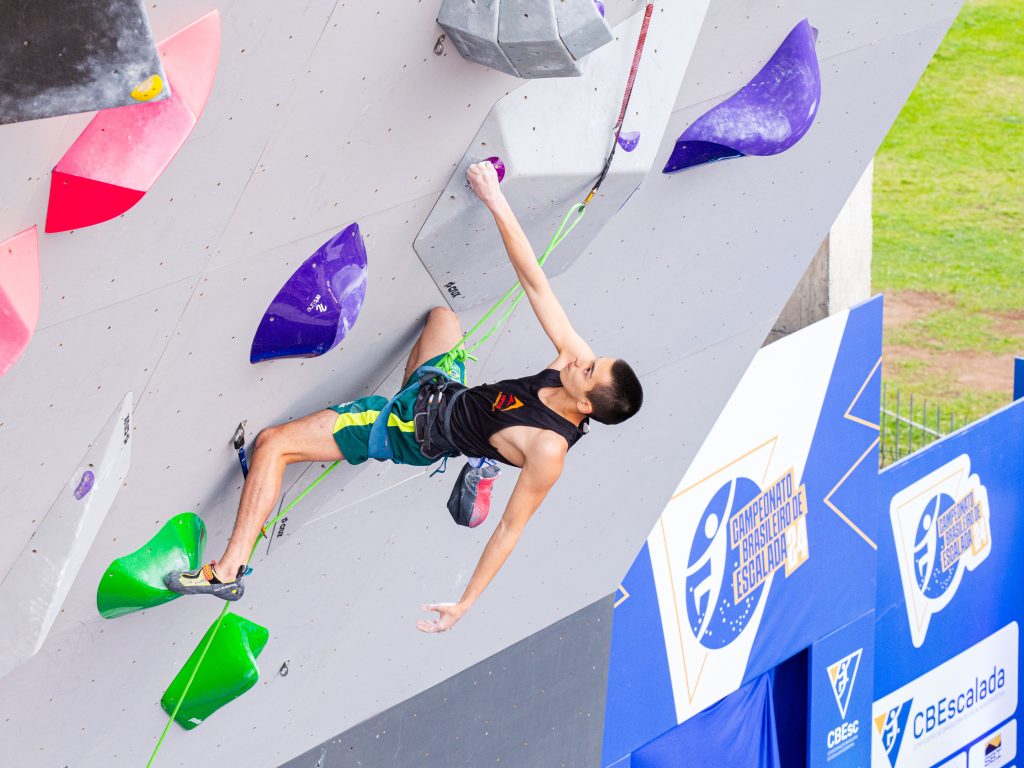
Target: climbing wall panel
(34, 590)
(553, 155)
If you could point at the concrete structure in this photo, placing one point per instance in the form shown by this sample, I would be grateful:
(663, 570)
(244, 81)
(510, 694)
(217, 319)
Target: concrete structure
(314, 123)
(839, 275)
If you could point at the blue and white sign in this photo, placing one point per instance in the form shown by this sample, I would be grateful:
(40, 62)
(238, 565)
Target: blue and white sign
(950, 576)
(767, 544)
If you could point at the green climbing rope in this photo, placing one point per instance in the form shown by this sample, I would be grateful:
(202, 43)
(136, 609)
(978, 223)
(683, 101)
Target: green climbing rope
(213, 630)
(461, 351)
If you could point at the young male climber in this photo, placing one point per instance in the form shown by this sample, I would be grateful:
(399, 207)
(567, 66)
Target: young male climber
(530, 423)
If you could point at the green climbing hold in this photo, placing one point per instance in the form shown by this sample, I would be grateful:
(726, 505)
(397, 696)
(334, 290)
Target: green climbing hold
(228, 670)
(136, 581)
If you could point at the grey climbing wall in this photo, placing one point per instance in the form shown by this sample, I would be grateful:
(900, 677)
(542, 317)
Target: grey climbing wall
(75, 56)
(313, 124)
(538, 702)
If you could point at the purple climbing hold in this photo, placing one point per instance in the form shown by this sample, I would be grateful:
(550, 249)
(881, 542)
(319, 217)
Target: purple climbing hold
(499, 167)
(600, 7)
(318, 305)
(629, 140)
(767, 116)
(85, 484)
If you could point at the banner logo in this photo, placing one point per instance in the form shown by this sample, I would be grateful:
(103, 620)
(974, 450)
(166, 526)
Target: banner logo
(744, 536)
(941, 525)
(891, 726)
(842, 675)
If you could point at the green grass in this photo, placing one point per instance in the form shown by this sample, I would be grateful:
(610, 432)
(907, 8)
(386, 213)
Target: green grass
(949, 201)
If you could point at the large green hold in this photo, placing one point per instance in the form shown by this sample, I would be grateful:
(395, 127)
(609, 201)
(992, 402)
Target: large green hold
(228, 670)
(136, 581)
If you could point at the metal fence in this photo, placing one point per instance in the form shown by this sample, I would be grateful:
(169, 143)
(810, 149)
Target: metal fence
(907, 425)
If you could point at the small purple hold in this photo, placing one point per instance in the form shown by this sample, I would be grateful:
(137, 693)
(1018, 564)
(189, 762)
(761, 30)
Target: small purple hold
(85, 484)
(600, 7)
(629, 140)
(499, 167)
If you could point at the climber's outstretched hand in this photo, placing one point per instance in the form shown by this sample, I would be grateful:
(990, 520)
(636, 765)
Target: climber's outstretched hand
(449, 614)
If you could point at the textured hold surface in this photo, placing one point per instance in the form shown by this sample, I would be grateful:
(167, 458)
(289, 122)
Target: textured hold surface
(552, 162)
(767, 116)
(473, 26)
(33, 592)
(228, 670)
(528, 33)
(123, 151)
(136, 581)
(539, 702)
(74, 56)
(19, 295)
(318, 305)
(581, 26)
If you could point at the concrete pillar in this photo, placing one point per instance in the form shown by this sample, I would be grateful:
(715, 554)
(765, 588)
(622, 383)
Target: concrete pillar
(839, 275)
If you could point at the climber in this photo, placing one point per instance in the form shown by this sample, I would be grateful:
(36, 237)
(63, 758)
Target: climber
(530, 423)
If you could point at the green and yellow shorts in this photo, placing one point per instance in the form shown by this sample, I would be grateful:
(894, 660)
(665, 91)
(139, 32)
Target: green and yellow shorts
(355, 419)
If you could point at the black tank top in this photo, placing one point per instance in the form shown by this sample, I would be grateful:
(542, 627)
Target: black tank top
(481, 411)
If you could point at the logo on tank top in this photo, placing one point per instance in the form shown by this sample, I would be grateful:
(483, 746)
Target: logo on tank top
(505, 402)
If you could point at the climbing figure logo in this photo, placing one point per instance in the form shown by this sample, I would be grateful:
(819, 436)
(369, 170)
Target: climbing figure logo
(890, 726)
(941, 526)
(842, 675)
(717, 549)
(505, 402)
(744, 536)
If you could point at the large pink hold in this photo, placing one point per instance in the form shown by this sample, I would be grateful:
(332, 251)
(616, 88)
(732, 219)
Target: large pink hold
(19, 295)
(123, 151)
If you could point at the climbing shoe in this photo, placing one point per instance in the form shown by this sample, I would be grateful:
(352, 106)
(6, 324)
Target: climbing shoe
(203, 581)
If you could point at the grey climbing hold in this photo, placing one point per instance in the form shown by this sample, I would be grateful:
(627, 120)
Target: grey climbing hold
(581, 26)
(528, 33)
(525, 38)
(473, 27)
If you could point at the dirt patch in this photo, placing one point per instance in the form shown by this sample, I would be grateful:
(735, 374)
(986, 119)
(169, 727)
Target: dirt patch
(1010, 324)
(960, 372)
(903, 307)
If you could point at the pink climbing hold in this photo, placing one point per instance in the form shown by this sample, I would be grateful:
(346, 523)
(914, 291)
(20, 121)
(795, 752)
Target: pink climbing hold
(123, 151)
(19, 295)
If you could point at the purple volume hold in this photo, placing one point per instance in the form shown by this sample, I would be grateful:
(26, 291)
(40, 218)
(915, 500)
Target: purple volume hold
(85, 484)
(499, 167)
(767, 116)
(318, 305)
(629, 140)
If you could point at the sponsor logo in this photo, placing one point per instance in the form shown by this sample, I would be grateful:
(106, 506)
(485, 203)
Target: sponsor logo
(842, 675)
(951, 705)
(891, 726)
(997, 749)
(505, 402)
(127, 429)
(453, 290)
(744, 536)
(941, 526)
